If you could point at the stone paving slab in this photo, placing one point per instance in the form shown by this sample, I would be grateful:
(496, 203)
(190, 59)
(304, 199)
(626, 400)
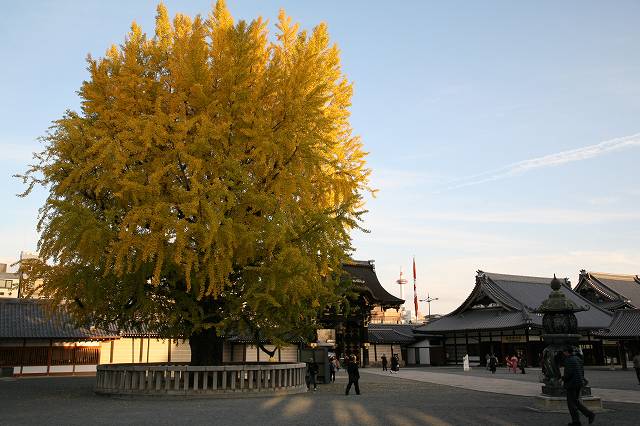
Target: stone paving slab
(502, 386)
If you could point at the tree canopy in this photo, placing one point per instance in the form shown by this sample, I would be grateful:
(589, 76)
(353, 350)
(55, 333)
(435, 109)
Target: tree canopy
(209, 182)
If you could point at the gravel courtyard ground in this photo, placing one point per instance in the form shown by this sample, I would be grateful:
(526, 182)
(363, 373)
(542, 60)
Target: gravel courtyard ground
(384, 401)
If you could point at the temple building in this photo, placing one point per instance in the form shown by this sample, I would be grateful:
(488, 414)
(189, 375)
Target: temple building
(621, 295)
(498, 317)
(610, 291)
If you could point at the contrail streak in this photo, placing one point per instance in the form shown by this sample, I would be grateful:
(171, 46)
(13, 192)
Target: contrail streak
(550, 160)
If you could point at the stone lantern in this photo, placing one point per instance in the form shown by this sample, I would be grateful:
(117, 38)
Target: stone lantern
(560, 331)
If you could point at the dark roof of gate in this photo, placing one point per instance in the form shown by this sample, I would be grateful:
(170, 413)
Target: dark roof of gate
(364, 278)
(31, 319)
(514, 298)
(391, 333)
(625, 324)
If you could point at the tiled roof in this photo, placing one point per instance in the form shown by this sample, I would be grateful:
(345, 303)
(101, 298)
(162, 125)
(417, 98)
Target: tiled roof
(625, 323)
(364, 278)
(480, 319)
(391, 333)
(236, 338)
(514, 298)
(9, 276)
(29, 319)
(615, 287)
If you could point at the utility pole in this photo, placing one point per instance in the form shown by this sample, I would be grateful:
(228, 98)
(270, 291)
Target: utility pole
(429, 299)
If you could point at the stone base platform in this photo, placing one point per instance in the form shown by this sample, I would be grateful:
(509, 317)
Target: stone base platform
(557, 404)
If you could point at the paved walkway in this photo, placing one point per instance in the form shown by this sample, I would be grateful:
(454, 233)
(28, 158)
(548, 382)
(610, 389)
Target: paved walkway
(503, 386)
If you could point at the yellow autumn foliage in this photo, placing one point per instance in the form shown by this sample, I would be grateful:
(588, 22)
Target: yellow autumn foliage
(211, 179)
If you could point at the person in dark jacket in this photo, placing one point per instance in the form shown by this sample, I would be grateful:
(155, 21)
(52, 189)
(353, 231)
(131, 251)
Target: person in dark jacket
(493, 364)
(395, 364)
(354, 375)
(332, 370)
(312, 373)
(573, 382)
(384, 362)
(522, 363)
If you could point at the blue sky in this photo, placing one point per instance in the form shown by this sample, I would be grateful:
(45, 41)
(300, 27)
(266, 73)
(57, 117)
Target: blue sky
(494, 128)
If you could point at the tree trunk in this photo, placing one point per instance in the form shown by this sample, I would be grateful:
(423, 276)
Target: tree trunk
(206, 347)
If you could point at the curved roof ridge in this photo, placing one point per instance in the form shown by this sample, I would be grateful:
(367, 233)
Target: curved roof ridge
(522, 278)
(606, 289)
(363, 275)
(492, 291)
(500, 292)
(622, 277)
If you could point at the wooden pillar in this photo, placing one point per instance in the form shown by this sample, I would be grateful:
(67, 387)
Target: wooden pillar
(148, 346)
(49, 350)
(141, 349)
(73, 358)
(24, 346)
(455, 349)
(244, 352)
(113, 342)
(279, 355)
(133, 359)
(466, 342)
(622, 353)
(375, 353)
(527, 351)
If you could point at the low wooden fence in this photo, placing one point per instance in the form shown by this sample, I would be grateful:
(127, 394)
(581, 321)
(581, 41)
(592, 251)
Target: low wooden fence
(186, 380)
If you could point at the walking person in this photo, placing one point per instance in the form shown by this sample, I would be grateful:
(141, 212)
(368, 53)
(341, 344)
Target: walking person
(354, 375)
(384, 363)
(636, 365)
(312, 373)
(487, 358)
(493, 363)
(514, 363)
(573, 382)
(522, 363)
(395, 364)
(332, 370)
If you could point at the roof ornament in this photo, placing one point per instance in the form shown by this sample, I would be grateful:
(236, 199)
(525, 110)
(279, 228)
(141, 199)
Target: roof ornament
(557, 302)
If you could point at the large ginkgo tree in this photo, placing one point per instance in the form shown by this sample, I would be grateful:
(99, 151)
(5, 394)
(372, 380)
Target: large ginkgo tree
(208, 185)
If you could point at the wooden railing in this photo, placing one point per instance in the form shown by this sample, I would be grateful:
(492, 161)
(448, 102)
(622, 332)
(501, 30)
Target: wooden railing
(163, 379)
(48, 355)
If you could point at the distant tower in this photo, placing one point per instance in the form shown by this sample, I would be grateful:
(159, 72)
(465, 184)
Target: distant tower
(401, 282)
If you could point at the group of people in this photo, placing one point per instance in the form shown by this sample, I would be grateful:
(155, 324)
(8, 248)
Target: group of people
(513, 363)
(351, 365)
(395, 363)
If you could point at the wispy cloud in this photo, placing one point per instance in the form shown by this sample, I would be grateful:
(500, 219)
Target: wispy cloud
(550, 160)
(539, 216)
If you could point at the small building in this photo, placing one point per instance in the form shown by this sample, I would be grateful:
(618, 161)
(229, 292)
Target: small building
(498, 317)
(389, 339)
(610, 291)
(36, 341)
(9, 282)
